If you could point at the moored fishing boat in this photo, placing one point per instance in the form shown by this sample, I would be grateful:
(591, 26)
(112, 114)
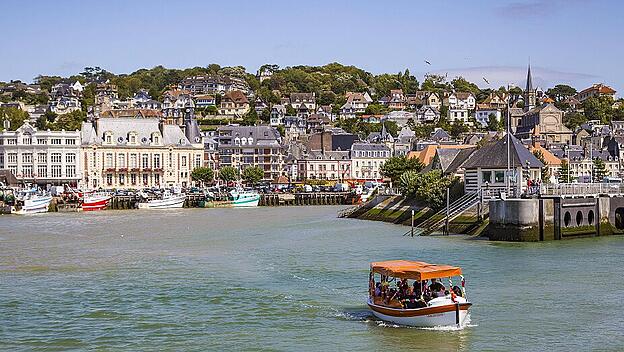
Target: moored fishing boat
(420, 304)
(240, 198)
(169, 200)
(32, 202)
(95, 201)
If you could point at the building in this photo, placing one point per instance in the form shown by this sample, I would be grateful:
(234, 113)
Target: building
(483, 113)
(458, 115)
(137, 153)
(244, 146)
(595, 90)
(297, 100)
(177, 106)
(423, 98)
(485, 169)
(324, 165)
(461, 100)
(214, 84)
(205, 100)
(278, 112)
(42, 157)
(544, 123)
(427, 114)
(367, 160)
(234, 103)
(356, 103)
(211, 149)
(397, 100)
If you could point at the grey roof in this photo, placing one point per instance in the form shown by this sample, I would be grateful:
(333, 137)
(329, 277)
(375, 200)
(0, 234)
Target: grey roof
(494, 155)
(260, 135)
(440, 134)
(369, 146)
(121, 128)
(329, 155)
(529, 82)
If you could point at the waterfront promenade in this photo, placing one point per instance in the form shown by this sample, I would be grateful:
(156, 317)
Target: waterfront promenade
(284, 278)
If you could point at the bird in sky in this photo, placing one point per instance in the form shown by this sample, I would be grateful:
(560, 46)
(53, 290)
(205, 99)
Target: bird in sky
(428, 63)
(486, 81)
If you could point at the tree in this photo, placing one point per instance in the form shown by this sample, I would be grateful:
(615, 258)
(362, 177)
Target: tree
(429, 188)
(435, 83)
(563, 172)
(599, 108)
(545, 172)
(376, 109)
(250, 118)
(228, 174)
(69, 122)
(572, 120)
(396, 166)
(560, 92)
(460, 84)
(253, 174)
(599, 170)
(290, 111)
(458, 128)
(494, 124)
(14, 116)
(203, 175)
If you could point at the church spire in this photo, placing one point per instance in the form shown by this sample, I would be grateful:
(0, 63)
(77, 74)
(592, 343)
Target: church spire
(529, 81)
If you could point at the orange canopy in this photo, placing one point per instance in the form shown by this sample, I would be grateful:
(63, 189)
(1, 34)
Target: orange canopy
(406, 269)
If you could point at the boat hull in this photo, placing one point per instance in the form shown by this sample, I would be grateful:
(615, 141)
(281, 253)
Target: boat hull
(443, 315)
(169, 203)
(34, 206)
(246, 202)
(95, 203)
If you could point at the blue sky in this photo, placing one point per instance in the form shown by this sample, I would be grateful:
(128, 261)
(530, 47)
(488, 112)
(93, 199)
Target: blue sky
(570, 41)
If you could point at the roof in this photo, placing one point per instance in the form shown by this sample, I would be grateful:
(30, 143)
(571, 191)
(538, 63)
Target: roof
(549, 157)
(144, 128)
(494, 155)
(406, 269)
(369, 146)
(236, 96)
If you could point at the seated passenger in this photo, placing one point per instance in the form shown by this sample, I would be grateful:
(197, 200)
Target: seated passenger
(378, 289)
(458, 292)
(411, 303)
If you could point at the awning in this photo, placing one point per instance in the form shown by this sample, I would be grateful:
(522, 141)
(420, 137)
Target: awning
(406, 269)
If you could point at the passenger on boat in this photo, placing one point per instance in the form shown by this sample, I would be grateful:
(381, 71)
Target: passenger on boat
(378, 289)
(413, 303)
(437, 289)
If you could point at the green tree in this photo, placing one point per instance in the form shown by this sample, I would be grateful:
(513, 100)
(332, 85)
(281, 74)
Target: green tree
(228, 174)
(250, 118)
(494, 124)
(545, 172)
(69, 122)
(253, 174)
(599, 170)
(429, 188)
(290, 111)
(204, 175)
(599, 108)
(396, 166)
(458, 128)
(14, 116)
(560, 92)
(460, 84)
(563, 172)
(572, 120)
(376, 109)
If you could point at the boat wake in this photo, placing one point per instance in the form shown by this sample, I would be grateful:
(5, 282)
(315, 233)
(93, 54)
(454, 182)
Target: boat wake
(366, 317)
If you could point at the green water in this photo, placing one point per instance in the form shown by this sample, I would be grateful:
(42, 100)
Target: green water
(291, 278)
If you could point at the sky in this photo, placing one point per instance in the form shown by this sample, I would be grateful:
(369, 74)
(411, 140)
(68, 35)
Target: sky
(575, 42)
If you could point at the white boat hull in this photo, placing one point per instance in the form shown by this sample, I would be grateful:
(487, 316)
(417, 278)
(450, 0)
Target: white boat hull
(246, 202)
(168, 203)
(437, 316)
(34, 206)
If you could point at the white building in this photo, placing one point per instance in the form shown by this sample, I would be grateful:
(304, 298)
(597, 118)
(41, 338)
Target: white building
(483, 115)
(137, 153)
(462, 100)
(328, 165)
(367, 160)
(455, 115)
(42, 157)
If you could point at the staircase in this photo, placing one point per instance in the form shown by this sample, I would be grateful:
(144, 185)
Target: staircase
(438, 220)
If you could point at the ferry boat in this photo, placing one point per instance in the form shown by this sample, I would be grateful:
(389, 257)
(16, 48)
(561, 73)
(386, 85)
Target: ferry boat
(32, 202)
(168, 200)
(95, 201)
(240, 198)
(425, 302)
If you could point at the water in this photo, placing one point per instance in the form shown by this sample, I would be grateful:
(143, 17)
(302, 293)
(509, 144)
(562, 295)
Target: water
(291, 278)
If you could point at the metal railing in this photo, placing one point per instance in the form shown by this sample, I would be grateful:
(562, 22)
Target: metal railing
(571, 189)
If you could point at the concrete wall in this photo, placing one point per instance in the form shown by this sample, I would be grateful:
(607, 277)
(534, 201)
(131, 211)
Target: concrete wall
(524, 212)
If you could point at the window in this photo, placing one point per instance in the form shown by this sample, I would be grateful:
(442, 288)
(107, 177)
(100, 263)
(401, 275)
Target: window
(121, 160)
(183, 162)
(108, 160)
(27, 171)
(122, 179)
(56, 171)
(70, 141)
(109, 179)
(486, 176)
(55, 158)
(133, 179)
(1, 160)
(70, 158)
(42, 141)
(156, 161)
(11, 141)
(42, 158)
(133, 161)
(27, 158)
(157, 179)
(27, 140)
(42, 171)
(55, 141)
(145, 161)
(198, 160)
(70, 170)
(109, 139)
(145, 179)
(499, 176)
